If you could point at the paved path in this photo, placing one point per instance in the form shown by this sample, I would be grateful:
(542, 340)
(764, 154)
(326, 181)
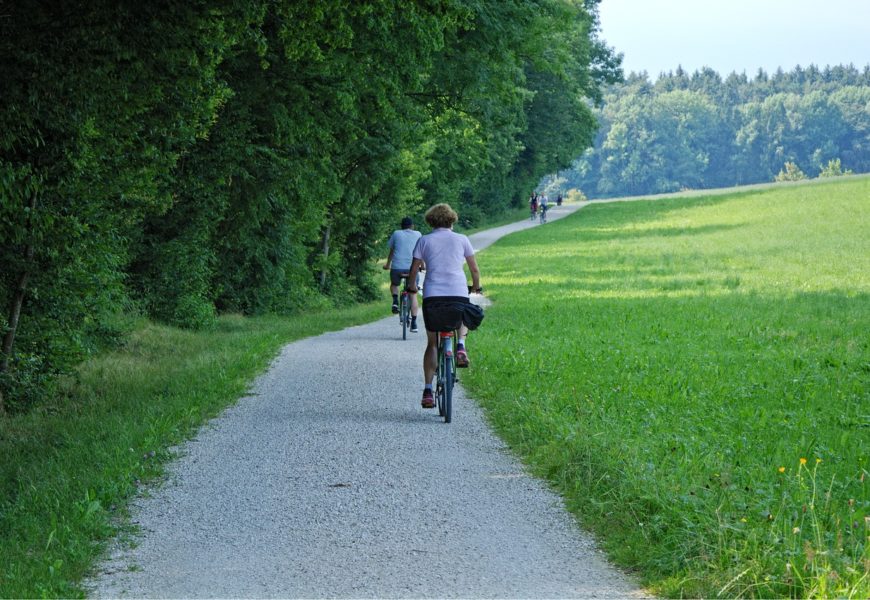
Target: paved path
(484, 238)
(329, 480)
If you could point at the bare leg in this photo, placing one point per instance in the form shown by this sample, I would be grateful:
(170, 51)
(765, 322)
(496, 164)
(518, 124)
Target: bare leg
(414, 305)
(430, 357)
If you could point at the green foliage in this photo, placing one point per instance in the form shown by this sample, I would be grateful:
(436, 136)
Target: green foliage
(255, 156)
(679, 359)
(834, 169)
(699, 131)
(94, 120)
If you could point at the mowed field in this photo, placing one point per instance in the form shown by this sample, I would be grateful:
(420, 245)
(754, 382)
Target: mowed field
(693, 374)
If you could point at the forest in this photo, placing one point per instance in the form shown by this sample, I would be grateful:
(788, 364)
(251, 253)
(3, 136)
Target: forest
(700, 131)
(180, 160)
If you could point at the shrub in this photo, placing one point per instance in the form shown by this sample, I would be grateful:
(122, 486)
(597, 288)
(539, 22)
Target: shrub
(575, 195)
(791, 172)
(834, 169)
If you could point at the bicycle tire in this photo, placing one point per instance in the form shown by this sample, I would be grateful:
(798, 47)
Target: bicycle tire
(403, 314)
(439, 378)
(449, 378)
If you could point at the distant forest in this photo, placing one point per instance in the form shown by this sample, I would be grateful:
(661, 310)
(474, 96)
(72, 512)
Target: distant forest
(697, 131)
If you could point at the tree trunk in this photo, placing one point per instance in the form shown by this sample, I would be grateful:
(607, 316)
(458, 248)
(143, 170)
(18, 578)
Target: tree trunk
(325, 252)
(15, 312)
(16, 304)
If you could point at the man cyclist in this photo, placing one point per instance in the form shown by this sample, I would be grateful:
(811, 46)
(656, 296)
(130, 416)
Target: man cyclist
(401, 244)
(444, 253)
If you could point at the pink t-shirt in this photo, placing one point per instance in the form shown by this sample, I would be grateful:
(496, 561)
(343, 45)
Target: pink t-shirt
(444, 253)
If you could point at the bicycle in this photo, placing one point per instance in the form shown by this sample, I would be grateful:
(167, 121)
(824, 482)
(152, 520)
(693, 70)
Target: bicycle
(543, 215)
(445, 373)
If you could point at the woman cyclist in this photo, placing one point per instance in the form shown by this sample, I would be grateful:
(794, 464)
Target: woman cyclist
(443, 252)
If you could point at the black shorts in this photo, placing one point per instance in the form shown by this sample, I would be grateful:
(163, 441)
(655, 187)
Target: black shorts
(397, 274)
(440, 313)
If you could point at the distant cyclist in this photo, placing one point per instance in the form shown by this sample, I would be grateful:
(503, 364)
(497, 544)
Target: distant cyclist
(544, 206)
(401, 245)
(444, 253)
(533, 206)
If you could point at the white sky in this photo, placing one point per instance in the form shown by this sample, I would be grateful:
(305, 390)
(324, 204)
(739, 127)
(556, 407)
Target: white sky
(736, 35)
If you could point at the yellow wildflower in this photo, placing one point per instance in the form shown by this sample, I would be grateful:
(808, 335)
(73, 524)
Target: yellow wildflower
(782, 469)
(803, 461)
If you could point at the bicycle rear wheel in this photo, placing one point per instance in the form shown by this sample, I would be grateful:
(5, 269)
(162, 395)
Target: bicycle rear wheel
(449, 378)
(403, 314)
(439, 379)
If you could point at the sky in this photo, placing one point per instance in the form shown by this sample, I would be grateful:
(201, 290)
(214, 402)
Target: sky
(736, 35)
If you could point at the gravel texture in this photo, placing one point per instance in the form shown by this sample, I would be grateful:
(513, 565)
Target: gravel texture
(329, 480)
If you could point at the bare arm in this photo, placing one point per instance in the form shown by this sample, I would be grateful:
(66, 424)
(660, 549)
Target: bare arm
(475, 272)
(389, 259)
(412, 275)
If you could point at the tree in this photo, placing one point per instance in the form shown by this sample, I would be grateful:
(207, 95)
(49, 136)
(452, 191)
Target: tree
(94, 119)
(254, 159)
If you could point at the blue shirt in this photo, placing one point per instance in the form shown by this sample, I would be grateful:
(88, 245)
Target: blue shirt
(402, 243)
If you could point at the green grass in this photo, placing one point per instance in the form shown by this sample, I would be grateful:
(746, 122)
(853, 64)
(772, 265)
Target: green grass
(68, 469)
(668, 364)
(508, 216)
(659, 361)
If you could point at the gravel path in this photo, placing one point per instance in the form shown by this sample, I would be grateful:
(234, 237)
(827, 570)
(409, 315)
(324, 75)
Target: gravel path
(329, 480)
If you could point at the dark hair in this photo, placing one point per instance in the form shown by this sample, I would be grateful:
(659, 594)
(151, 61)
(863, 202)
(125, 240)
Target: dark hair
(407, 222)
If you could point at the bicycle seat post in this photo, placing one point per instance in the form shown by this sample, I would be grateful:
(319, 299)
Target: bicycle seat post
(447, 340)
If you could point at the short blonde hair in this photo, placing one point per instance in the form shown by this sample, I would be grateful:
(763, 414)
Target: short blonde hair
(441, 215)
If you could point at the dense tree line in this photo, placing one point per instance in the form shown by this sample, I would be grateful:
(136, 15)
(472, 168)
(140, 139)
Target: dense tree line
(183, 158)
(700, 131)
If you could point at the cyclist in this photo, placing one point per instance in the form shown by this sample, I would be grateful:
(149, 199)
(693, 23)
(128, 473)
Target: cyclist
(545, 204)
(401, 244)
(533, 206)
(443, 252)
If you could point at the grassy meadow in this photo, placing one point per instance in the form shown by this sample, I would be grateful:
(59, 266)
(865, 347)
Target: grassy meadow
(693, 374)
(68, 469)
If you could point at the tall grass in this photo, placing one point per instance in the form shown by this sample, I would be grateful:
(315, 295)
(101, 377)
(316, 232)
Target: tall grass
(694, 375)
(68, 469)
